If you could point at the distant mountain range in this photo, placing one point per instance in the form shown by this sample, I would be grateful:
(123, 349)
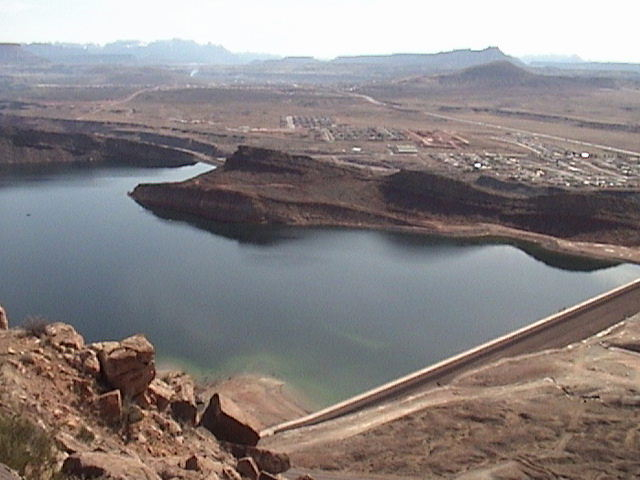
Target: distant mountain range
(14, 53)
(367, 68)
(162, 52)
(452, 60)
(344, 68)
(176, 51)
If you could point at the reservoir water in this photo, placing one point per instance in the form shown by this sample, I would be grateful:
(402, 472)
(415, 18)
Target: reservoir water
(332, 311)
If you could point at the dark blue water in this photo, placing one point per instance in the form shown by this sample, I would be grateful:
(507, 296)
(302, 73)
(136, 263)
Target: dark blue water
(332, 311)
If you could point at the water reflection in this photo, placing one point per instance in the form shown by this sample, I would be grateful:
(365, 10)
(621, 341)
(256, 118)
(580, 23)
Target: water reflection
(267, 235)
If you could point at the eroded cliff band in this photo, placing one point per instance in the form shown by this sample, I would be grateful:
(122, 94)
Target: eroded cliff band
(262, 186)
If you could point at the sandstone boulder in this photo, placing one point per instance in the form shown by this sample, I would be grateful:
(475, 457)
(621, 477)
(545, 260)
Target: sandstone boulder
(86, 360)
(194, 467)
(229, 423)
(115, 467)
(109, 406)
(63, 337)
(160, 394)
(266, 460)
(127, 365)
(183, 398)
(267, 476)
(247, 468)
(4, 320)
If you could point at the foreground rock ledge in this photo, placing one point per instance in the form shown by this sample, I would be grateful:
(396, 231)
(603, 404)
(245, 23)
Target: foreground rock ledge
(105, 418)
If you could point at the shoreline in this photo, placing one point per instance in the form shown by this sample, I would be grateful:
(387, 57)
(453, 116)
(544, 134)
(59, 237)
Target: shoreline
(542, 245)
(266, 187)
(259, 180)
(480, 232)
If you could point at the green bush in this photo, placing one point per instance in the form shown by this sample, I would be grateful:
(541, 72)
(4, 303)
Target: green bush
(26, 448)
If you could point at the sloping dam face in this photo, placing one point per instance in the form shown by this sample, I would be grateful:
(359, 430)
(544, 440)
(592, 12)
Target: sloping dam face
(559, 330)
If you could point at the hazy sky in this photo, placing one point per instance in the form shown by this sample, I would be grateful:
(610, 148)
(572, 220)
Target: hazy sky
(326, 28)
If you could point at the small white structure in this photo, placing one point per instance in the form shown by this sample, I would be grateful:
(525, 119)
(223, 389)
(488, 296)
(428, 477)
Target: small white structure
(405, 149)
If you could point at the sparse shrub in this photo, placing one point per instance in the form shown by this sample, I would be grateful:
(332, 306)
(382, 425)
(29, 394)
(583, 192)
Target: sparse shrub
(26, 448)
(35, 326)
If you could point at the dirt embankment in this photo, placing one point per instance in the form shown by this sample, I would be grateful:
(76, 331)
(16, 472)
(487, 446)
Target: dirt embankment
(30, 147)
(268, 187)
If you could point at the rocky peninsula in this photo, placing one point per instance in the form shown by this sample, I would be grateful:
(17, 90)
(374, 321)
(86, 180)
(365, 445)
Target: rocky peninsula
(264, 186)
(26, 147)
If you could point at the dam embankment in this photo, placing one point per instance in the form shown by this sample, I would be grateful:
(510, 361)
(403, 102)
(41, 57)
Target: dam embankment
(559, 330)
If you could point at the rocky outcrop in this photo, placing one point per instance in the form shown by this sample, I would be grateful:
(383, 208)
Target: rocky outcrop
(4, 320)
(247, 468)
(29, 146)
(87, 361)
(91, 412)
(564, 214)
(116, 467)
(227, 422)
(262, 186)
(191, 468)
(128, 365)
(109, 406)
(182, 400)
(265, 460)
(160, 394)
(64, 337)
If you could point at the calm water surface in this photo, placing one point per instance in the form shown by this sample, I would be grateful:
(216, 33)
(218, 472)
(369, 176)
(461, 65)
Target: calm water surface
(332, 311)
